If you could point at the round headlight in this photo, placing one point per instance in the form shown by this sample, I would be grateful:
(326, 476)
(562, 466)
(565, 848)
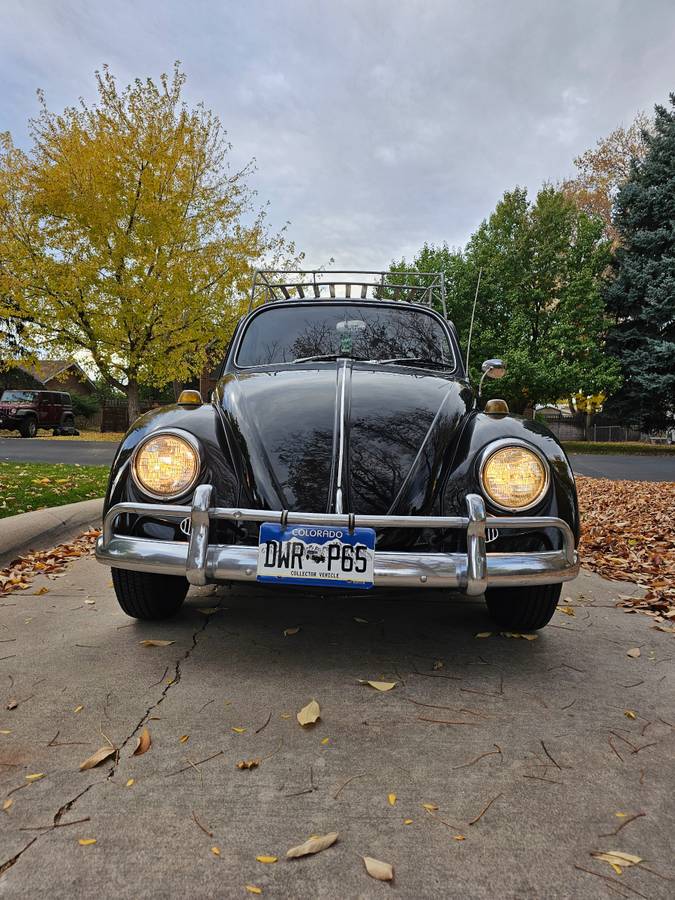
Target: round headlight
(166, 465)
(514, 477)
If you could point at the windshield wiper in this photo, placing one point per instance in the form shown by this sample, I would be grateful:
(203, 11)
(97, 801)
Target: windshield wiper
(413, 360)
(325, 356)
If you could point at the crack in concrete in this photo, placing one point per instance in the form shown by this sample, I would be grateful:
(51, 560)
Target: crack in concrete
(68, 805)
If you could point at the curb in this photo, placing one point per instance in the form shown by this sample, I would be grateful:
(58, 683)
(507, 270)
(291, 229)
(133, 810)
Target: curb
(45, 528)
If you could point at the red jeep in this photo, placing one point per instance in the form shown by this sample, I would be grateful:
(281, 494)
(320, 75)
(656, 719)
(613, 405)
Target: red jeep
(26, 411)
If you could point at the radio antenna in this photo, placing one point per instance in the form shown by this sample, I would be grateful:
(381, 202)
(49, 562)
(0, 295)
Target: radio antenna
(473, 313)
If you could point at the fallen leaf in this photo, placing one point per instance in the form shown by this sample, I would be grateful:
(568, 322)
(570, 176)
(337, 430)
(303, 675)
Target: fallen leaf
(35, 777)
(143, 743)
(78, 709)
(131, 781)
(184, 738)
(290, 631)
(407, 821)
(309, 714)
(483, 634)
(382, 871)
(86, 842)
(458, 837)
(629, 714)
(315, 844)
(621, 815)
(285, 715)
(267, 859)
(324, 741)
(361, 621)
(97, 758)
(438, 664)
(12, 704)
(155, 643)
(215, 851)
(238, 730)
(380, 685)
(567, 610)
(248, 763)
(617, 859)
(391, 798)
(518, 634)
(7, 803)
(41, 591)
(253, 888)
(5, 731)
(634, 652)
(669, 629)
(90, 602)
(207, 610)
(430, 807)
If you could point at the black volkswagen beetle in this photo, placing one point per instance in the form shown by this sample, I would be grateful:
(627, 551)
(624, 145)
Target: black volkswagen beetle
(343, 447)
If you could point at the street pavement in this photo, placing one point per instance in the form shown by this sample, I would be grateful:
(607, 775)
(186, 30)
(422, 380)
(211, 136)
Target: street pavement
(82, 453)
(101, 453)
(630, 468)
(536, 753)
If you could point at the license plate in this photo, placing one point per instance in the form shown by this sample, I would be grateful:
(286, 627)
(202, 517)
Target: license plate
(316, 555)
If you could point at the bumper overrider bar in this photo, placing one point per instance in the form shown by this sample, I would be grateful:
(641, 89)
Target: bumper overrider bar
(471, 572)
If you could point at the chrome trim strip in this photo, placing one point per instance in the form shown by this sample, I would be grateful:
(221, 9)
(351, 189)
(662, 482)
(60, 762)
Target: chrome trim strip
(342, 437)
(471, 572)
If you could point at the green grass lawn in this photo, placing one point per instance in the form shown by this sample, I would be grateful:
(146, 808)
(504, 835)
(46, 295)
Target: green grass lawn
(630, 447)
(28, 486)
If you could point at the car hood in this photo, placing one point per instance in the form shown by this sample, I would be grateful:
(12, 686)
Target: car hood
(297, 435)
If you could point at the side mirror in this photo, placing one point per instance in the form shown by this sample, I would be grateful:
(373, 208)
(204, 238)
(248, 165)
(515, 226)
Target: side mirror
(491, 368)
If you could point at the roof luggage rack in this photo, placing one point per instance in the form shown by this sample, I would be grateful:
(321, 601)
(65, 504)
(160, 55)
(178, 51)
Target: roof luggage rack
(278, 285)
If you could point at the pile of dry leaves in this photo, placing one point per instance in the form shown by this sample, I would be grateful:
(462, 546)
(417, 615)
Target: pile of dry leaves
(627, 534)
(19, 575)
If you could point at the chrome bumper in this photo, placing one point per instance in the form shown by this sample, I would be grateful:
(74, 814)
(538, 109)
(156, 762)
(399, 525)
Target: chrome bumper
(471, 572)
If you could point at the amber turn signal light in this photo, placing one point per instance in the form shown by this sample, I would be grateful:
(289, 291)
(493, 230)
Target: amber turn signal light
(496, 407)
(190, 398)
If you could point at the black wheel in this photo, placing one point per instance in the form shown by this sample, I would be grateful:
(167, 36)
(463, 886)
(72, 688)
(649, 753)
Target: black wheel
(523, 608)
(145, 595)
(28, 428)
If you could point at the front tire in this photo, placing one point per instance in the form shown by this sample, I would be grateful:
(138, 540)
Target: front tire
(145, 595)
(523, 608)
(28, 428)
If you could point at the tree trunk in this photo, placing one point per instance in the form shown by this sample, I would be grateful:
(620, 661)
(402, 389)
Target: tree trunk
(133, 401)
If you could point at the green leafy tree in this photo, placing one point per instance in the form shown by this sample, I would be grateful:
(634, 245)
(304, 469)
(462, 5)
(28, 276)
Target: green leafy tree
(540, 306)
(125, 234)
(641, 293)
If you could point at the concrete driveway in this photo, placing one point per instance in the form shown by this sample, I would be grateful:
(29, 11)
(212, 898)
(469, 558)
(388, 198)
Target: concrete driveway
(529, 755)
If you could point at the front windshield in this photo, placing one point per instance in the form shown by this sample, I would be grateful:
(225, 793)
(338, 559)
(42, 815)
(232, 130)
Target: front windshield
(380, 333)
(17, 396)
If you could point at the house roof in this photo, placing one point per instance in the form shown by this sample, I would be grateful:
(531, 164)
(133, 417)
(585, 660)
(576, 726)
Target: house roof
(45, 369)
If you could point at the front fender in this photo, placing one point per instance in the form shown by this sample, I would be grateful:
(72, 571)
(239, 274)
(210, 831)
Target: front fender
(201, 421)
(462, 476)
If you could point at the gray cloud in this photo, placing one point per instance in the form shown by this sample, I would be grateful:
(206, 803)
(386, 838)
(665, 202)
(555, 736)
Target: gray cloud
(375, 125)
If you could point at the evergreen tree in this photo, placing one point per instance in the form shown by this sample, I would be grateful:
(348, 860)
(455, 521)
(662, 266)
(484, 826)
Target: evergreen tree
(641, 294)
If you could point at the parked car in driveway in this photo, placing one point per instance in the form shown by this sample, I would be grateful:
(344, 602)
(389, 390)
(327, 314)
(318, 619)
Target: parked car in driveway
(344, 446)
(26, 411)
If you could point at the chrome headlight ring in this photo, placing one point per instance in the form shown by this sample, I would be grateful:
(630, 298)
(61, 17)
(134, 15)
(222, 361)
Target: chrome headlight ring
(503, 444)
(187, 438)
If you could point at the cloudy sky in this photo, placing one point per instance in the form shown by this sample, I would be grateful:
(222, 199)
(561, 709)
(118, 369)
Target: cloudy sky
(376, 124)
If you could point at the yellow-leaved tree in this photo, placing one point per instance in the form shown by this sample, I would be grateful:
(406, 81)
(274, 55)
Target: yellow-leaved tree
(125, 235)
